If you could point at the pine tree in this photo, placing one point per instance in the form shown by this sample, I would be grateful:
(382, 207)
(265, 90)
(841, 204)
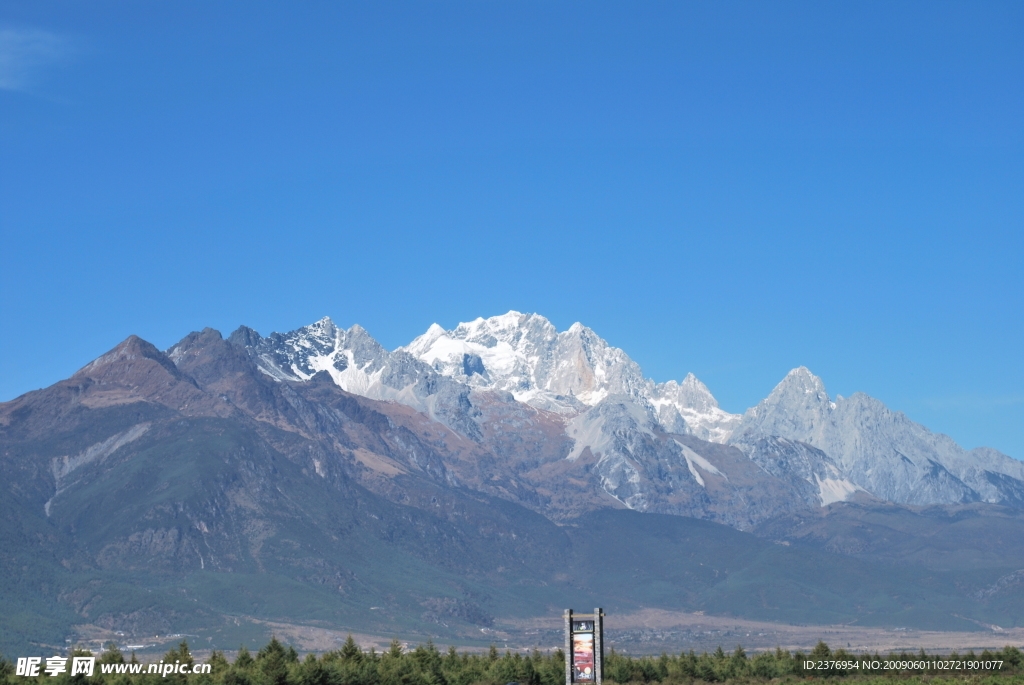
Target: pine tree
(350, 651)
(821, 651)
(218, 664)
(243, 660)
(706, 668)
(272, 661)
(688, 664)
(764, 665)
(738, 662)
(314, 672)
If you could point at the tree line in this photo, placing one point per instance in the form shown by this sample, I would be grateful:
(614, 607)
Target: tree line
(277, 664)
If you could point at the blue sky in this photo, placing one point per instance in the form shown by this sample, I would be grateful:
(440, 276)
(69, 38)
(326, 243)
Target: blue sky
(728, 188)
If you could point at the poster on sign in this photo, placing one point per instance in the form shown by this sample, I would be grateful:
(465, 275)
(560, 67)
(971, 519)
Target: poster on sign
(584, 647)
(583, 657)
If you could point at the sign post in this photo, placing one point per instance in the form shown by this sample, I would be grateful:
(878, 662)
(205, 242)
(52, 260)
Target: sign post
(584, 647)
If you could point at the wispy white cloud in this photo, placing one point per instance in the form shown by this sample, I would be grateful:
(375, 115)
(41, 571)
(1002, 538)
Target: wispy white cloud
(24, 53)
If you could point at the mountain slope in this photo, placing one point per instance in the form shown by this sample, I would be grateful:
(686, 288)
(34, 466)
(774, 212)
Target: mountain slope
(146, 480)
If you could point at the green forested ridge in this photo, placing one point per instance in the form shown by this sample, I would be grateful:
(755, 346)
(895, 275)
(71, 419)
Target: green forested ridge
(277, 664)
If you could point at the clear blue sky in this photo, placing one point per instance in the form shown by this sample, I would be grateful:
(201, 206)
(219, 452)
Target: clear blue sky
(727, 188)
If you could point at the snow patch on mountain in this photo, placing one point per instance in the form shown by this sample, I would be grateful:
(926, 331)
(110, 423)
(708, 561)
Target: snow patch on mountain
(694, 460)
(832, 490)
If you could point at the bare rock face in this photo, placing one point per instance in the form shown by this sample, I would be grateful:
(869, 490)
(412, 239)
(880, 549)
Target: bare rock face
(819, 478)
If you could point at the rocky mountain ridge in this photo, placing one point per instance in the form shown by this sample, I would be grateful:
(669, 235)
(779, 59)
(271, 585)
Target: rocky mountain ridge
(828, 450)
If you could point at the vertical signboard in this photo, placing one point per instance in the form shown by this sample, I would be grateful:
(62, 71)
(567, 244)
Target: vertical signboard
(584, 647)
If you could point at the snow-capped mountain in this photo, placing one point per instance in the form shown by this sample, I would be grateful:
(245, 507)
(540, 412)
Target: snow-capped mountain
(360, 365)
(564, 372)
(490, 379)
(524, 355)
(514, 384)
(879, 450)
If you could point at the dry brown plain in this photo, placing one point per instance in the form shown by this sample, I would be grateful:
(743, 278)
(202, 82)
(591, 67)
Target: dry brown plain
(650, 631)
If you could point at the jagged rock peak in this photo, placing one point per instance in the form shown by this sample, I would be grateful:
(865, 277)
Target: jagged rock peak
(320, 346)
(360, 365)
(243, 336)
(690, 408)
(797, 408)
(799, 391)
(324, 326)
(131, 348)
(691, 393)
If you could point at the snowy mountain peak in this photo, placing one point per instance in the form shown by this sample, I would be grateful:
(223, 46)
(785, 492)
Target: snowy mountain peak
(691, 393)
(690, 408)
(567, 371)
(802, 380)
(525, 355)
